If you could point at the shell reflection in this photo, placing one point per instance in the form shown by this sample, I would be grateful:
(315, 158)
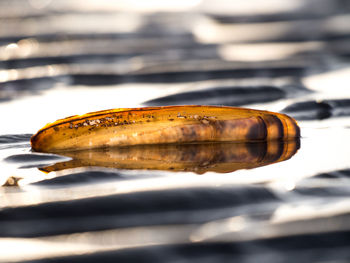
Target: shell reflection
(198, 158)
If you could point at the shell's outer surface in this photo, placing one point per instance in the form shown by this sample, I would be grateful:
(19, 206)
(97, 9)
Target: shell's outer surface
(198, 158)
(163, 125)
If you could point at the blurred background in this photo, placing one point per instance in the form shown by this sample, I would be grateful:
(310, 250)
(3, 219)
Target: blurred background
(60, 58)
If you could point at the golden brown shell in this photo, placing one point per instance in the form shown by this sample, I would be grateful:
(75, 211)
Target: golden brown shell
(163, 125)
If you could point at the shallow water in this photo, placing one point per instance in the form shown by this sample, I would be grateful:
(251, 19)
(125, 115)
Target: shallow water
(192, 203)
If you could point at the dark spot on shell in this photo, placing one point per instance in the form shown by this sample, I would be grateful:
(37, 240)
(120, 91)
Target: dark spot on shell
(220, 126)
(258, 131)
(189, 133)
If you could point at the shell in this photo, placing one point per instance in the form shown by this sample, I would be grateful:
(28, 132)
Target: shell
(163, 125)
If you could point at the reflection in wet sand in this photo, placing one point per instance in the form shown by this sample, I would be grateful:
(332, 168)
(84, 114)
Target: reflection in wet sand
(198, 158)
